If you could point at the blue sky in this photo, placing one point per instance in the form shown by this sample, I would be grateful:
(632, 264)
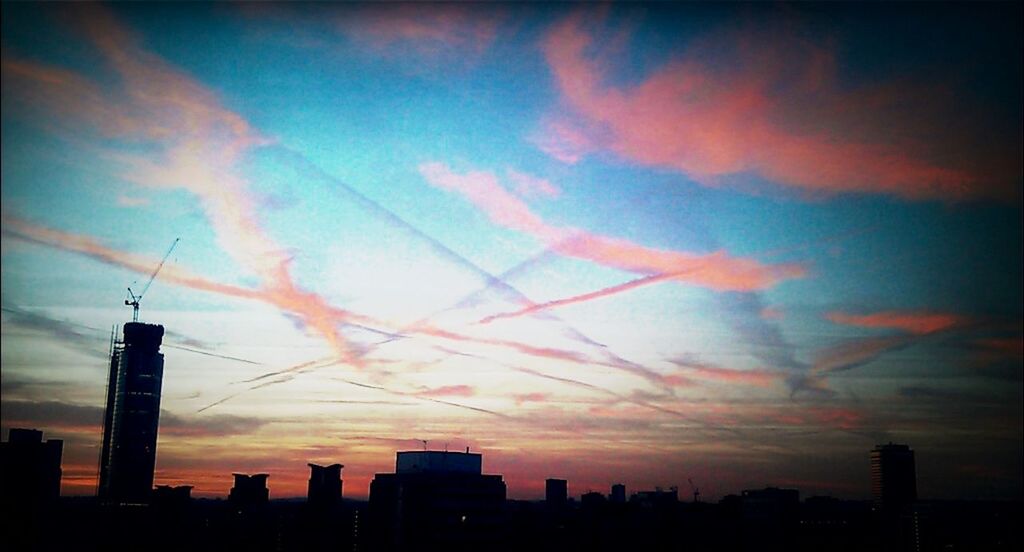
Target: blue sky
(739, 244)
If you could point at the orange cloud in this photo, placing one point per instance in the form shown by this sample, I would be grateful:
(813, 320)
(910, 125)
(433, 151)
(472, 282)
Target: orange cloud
(735, 104)
(917, 323)
(718, 271)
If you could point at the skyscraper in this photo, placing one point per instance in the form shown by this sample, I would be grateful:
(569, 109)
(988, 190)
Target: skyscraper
(893, 477)
(618, 495)
(132, 415)
(249, 490)
(324, 485)
(556, 492)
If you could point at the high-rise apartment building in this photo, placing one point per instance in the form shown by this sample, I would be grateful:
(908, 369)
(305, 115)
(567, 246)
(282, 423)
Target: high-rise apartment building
(324, 485)
(893, 477)
(132, 415)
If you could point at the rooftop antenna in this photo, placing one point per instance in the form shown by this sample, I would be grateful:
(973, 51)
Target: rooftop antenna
(136, 299)
(424, 445)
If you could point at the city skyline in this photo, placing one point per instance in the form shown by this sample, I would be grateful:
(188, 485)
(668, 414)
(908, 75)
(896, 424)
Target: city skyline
(734, 244)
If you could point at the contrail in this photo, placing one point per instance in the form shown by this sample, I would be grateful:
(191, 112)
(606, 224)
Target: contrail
(619, 288)
(207, 353)
(490, 279)
(650, 279)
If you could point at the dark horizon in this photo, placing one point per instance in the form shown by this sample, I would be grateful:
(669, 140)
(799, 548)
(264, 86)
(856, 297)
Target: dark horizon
(443, 500)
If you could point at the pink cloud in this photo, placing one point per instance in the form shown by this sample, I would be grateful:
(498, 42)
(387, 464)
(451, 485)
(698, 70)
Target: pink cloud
(531, 186)
(426, 29)
(484, 191)
(562, 140)
(759, 378)
(584, 297)
(856, 353)
(990, 350)
(718, 271)
(321, 316)
(817, 416)
(199, 142)
(843, 418)
(22, 229)
(1009, 346)
(448, 391)
(917, 323)
(769, 313)
(735, 104)
(530, 397)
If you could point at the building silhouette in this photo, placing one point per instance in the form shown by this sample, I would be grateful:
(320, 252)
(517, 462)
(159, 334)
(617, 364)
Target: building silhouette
(893, 477)
(172, 494)
(132, 415)
(556, 492)
(436, 499)
(30, 469)
(658, 498)
(324, 485)
(618, 495)
(592, 500)
(249, 490)
(171, 502)
(770, 506)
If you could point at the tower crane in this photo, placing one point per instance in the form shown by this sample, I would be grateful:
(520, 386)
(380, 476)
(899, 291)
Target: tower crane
(136, 299)
(696, 491)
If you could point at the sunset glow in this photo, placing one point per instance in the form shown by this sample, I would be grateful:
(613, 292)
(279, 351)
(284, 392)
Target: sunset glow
(739, 244)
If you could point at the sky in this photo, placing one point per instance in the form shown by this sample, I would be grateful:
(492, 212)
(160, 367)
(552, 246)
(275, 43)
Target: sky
(643, 244)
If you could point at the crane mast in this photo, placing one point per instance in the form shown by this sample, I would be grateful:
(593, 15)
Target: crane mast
(133, 300)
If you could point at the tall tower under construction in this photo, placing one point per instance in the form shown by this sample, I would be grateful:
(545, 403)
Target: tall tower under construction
(132, 415)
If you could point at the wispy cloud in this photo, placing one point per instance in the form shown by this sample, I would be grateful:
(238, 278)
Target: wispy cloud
(432, 30)
(702, 370)
(18, 228)
(719, 270)
(222, 425)
(67, 333)
(917, 323)
(200, 144)
(753, 102)
(447, 391)
(858, 352)
(522, 398)
(527, 185)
